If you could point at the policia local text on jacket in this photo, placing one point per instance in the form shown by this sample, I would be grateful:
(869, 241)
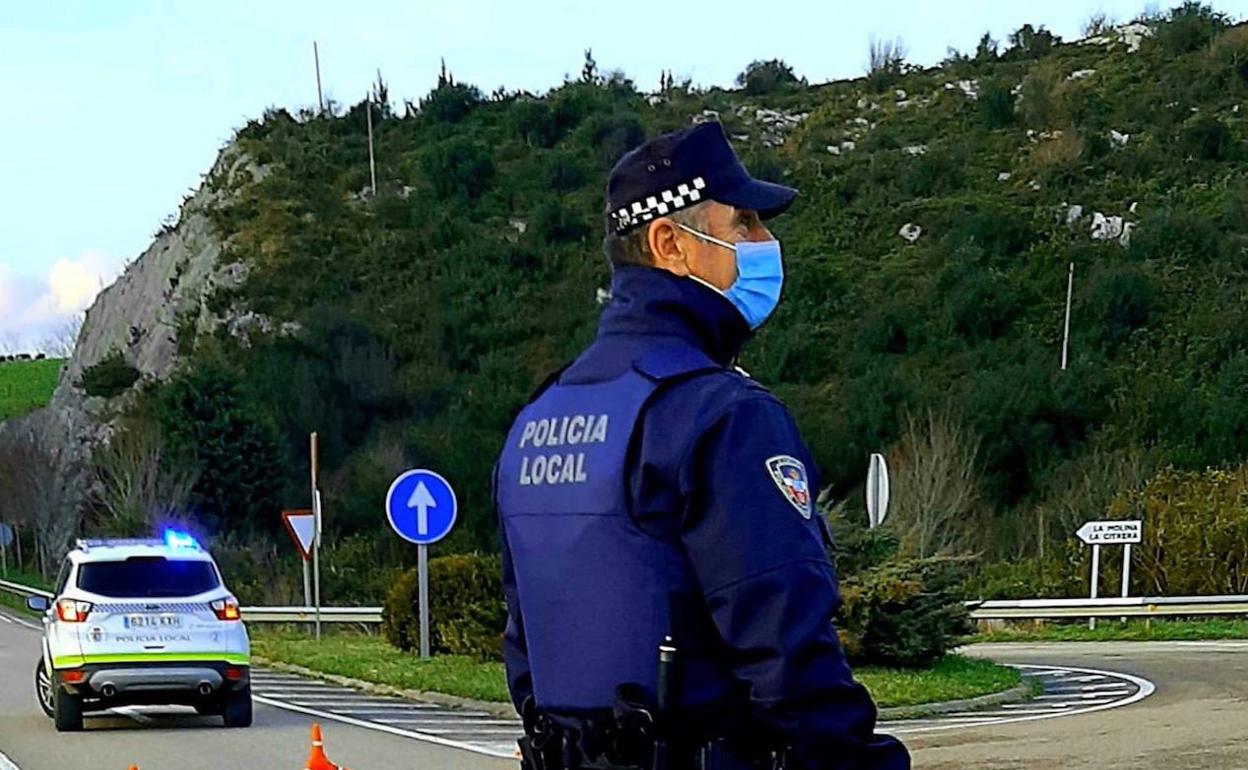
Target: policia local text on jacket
(651, 489)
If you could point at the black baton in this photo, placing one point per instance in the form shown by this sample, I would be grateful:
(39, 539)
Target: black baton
(665, 691)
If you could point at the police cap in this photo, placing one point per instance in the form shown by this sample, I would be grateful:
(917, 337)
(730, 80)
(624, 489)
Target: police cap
(681, 169)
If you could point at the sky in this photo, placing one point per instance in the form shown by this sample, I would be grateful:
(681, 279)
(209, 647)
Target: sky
(114, 110)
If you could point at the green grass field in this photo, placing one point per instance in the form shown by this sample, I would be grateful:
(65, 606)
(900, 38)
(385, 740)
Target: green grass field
(26, 385)
(371, 659)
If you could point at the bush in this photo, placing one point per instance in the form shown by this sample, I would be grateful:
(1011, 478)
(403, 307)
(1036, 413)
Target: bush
(1030, 43)
(614, 135)
(458, 167)
(1121, 301)
(1195, 532)
(1190, 26)
(906, 613)
(1027, 579)
(109, 378)
(996, 105)
(766, 77)
(1206, 138)
(1177, 235)
(981, 305)
(467, 613)
(554, 222)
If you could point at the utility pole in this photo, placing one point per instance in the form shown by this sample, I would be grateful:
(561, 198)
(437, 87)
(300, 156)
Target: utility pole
(316, 58)
(372, 166)
(1070, 288)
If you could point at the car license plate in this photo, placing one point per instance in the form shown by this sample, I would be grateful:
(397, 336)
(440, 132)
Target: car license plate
(153, 621)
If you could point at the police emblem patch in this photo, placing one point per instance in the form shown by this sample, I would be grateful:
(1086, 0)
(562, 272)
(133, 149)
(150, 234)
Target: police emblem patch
(790, 476)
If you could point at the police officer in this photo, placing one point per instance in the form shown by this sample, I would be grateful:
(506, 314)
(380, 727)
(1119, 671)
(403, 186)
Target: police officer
(651, 490)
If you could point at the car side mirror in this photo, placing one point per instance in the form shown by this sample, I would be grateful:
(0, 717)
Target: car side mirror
(38, 603)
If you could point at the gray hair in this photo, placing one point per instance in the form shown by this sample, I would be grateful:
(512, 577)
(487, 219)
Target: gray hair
(633, 247)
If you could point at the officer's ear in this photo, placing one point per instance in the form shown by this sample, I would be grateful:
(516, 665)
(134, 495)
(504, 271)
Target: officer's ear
(668, 246)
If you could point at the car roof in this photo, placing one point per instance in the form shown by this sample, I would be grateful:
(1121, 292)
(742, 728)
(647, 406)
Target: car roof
(119, 549)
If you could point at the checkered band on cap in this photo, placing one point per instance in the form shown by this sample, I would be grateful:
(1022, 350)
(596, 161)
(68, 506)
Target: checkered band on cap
(665, 202)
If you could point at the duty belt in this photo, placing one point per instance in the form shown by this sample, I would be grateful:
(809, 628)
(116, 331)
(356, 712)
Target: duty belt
(630, 741)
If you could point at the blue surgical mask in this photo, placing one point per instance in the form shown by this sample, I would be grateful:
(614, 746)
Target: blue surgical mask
(760, 276)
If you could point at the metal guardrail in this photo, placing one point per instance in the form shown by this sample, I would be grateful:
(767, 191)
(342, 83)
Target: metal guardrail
(255, 614)
(1109, 607)
(308, 614)
(1021, 609)
(21, 590)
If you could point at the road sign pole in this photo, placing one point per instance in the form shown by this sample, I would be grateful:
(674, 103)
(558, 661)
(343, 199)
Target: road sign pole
(1096, 578)
(1126, 572)
(421, 509)
(316, 540)
(423, 567)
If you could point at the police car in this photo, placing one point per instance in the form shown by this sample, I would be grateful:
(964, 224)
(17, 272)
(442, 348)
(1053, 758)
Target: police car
(142, 622)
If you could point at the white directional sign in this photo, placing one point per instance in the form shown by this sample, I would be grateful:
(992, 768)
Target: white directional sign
(1111, 532)
(877, 490)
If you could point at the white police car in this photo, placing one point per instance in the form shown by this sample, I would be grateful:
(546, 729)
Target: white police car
(142, 622)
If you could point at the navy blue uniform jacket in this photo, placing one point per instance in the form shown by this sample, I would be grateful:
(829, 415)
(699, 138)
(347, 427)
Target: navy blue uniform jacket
(759, 652)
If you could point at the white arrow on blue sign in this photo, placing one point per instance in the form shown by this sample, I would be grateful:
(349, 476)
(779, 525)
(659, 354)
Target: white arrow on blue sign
(421, 506)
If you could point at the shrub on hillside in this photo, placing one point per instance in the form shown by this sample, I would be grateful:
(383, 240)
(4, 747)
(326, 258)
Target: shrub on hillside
(1177, 235)
(1189, 27)
(1206, 138)
(458, 166)
(1121, 301)
(996, 104)
(109, 378)
(467, 613)
(766, 77)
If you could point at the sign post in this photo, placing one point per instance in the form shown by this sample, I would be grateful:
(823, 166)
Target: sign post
(316, 537)
(877, 490)
(1098, 533)
(421, 508)
(6, 539)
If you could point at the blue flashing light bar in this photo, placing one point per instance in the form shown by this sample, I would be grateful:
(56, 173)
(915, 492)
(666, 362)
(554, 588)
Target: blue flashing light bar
(176, 539)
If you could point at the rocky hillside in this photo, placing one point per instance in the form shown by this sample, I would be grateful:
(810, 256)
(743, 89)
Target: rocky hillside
(928, 260)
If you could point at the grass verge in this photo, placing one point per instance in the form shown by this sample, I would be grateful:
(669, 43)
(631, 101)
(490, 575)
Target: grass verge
(1112, 630)
(373, 660)
(26, 386)
(15, 602)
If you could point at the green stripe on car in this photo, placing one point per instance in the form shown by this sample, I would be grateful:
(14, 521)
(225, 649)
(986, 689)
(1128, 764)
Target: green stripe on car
(74, 661)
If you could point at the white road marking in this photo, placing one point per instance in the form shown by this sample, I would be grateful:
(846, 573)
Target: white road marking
(5, 618)
(133, 713)
(20, 622)
(490, 752)
(1083, 695)
(449, 722)
(7, 764)
(1146, 688)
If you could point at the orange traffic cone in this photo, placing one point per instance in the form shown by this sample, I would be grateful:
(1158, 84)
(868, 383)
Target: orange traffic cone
(317, 759)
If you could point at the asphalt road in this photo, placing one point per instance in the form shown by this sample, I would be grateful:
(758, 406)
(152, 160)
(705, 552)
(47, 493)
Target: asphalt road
(1196, 717)
(176, 739)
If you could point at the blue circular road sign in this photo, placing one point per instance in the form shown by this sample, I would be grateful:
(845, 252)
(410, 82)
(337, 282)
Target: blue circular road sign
(421, 506)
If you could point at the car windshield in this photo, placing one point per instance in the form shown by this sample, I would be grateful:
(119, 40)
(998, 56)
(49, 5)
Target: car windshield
(147, 576)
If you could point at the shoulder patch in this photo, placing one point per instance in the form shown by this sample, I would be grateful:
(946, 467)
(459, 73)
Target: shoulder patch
(790, 477)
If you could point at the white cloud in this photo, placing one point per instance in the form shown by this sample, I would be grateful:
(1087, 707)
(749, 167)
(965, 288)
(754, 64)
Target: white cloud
(34, 307)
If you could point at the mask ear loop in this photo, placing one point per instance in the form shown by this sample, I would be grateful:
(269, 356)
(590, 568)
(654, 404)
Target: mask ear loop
(708, 239)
